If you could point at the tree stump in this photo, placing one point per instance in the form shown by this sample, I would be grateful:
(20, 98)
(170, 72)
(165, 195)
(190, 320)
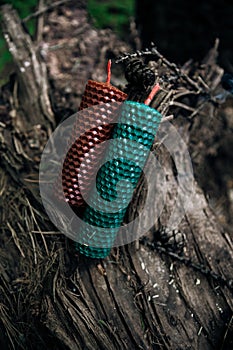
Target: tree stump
(144, 295)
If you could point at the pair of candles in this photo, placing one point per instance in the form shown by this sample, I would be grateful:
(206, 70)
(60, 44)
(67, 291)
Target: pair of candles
(132, 127)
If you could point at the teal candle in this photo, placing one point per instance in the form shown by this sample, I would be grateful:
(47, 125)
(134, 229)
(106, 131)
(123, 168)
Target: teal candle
(134, 135)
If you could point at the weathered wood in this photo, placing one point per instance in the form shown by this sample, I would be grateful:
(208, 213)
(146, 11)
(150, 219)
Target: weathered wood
(32, 89)
(138, 298)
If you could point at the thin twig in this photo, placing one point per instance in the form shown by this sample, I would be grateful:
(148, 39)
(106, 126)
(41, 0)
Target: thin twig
(34, 218)
(200, 79)
(184, 93)
(227, 331)
(40, 22)
(164, 105)
(182, 105)
(48, 232)
(15, 238)
(197, 111)
(45, 9)
(33, 247)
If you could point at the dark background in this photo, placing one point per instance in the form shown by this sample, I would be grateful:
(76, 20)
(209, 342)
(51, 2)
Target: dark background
(187, 29)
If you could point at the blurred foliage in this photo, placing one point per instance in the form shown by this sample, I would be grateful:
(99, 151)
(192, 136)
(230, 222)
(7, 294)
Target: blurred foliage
(112, 14)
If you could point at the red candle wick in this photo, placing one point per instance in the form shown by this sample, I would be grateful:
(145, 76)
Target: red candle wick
(109, 71)
(153, 92)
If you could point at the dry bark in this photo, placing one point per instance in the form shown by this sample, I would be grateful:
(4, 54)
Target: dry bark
(142, 296)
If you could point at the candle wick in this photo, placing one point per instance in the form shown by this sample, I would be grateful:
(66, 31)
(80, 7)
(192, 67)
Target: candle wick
(153, 92)
(109, 71)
